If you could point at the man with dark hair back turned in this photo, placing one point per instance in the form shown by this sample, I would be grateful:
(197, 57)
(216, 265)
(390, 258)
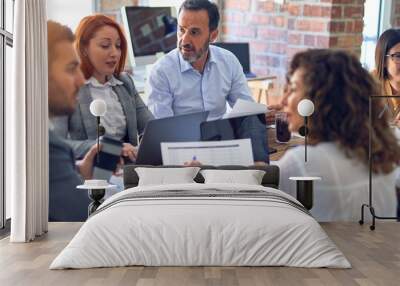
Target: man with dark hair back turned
(65, 78)
(196, 76)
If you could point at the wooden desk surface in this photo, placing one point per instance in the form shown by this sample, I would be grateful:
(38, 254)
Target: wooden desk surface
(281, 147)
(271, 77)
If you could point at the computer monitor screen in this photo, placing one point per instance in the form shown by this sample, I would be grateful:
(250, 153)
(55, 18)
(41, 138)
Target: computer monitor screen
(150, 30)
(241, 51)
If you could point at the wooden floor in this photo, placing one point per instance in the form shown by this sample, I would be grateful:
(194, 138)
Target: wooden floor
(374, 255)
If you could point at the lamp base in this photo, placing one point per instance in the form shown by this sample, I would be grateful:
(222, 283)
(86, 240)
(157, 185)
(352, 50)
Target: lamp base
(96, 195)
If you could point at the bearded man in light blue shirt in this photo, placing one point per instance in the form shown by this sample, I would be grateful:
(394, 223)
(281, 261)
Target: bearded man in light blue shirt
(196, 76)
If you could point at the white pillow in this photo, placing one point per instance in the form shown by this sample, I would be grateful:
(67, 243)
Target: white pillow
(248, 177)
(164, 176)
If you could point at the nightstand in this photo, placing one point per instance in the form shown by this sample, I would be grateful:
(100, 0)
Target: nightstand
(304, 190)
(96, 194)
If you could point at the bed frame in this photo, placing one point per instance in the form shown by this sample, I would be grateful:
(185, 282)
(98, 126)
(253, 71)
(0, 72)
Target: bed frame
(270, 179)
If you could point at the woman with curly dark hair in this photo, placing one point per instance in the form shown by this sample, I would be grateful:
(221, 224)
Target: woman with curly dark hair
(338, 133)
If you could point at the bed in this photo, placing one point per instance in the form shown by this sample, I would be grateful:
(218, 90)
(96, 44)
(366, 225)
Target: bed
(198, 224)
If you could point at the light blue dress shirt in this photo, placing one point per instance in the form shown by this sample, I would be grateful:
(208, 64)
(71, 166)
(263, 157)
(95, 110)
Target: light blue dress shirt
(177, 88)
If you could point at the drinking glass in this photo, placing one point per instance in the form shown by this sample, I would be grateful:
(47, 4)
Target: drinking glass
(283, 134)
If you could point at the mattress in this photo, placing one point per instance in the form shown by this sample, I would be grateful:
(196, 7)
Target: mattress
(201, 225)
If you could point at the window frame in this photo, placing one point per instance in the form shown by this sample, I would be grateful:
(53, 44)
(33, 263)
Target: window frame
(6, 39)
(366, 57)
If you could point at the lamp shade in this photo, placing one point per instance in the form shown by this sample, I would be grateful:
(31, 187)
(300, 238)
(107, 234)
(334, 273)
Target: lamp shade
(305, 107)
(98, 107)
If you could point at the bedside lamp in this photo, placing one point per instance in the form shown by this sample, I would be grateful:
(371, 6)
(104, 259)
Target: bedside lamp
(98, 108)
(305, 108)
(304, 185)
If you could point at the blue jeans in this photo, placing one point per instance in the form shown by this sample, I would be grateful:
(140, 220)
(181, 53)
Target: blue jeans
(254, 127)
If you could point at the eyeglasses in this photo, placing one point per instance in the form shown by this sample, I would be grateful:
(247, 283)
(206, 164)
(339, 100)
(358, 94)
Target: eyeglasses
(395, 57)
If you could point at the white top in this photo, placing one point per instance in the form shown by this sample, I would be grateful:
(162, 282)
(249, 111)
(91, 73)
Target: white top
(114, 121)
(344, 185)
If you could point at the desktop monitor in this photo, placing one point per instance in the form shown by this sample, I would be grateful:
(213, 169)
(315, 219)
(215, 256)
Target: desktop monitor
(242, 52)
(149, 30)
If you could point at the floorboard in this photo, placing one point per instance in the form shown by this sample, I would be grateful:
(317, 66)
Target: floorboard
(374, 255)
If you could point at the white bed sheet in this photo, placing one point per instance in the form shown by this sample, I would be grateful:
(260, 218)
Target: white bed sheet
(206, 231)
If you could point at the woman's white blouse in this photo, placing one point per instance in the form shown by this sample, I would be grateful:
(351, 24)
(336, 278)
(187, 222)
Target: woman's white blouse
(114, 121)
(344, 185)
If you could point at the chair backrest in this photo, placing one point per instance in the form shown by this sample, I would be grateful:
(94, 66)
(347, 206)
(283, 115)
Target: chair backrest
(263, 86)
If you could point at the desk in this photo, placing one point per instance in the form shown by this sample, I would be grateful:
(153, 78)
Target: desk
(281, 147)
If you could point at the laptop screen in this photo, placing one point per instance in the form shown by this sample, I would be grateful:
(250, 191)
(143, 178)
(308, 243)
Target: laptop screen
(252, 127)
(181, 128)
(240, 50)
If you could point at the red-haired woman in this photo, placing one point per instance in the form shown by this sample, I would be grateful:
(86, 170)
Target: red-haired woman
(102, 48)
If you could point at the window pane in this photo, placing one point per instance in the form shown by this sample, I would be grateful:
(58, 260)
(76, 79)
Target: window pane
(370, 33)
(9, 15)
(7, 82)
(1, 15)
(1, 133)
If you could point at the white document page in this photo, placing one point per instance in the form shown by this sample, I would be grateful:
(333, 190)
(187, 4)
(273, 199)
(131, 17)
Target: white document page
(228, 152)
(245, 107)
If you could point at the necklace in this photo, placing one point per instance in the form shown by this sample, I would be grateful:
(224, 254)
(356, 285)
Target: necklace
(394, 86)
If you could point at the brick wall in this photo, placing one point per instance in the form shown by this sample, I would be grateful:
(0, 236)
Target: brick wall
(346, 25)
(277, 31)
(396, 14)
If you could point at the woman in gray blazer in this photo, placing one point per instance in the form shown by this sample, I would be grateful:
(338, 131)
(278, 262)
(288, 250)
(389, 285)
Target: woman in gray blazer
(102, 48)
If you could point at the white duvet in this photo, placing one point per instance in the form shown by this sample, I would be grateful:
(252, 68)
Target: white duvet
(200, 231)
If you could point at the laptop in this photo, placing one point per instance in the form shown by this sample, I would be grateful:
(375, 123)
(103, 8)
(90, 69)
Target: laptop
(181, 128)
(252, 127)
(242, 52)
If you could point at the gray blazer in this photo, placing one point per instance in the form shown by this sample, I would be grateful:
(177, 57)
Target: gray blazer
(80, 127)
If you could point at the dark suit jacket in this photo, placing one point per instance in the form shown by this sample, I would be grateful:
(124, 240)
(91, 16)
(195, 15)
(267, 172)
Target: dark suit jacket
(66, 203)
(81, 125)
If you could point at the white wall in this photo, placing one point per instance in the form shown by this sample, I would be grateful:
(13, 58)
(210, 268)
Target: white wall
(161, 3)
(69, 12)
